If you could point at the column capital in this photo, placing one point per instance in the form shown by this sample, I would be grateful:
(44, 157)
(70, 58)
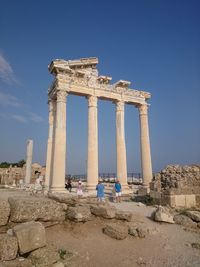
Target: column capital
(143, 109)
(119, 106)
(92, 101)
(61, 96)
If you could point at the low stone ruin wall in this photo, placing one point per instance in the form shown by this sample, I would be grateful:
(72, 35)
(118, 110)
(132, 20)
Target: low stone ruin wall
(178, 186)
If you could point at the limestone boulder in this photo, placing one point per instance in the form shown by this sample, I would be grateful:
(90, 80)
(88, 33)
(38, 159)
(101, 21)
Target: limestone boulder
(185, 221)
(58, 264)
(138, 230)
(124, 215)
(4, 211)
(196, 245)
(132, 230)
(26, 209)
(8, 247)
(194, 215)
(18, 262)
(163, 214)
(44, 257)
(66, 198)
(107, 212)
(30, 236)
(79, 213)
(116, 231)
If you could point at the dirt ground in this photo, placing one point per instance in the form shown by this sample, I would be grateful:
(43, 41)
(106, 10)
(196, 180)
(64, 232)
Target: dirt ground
(169, 245)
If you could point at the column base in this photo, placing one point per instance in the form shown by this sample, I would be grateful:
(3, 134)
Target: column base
(144, 190)
(91, 189)
(58, 190)
(126, 190)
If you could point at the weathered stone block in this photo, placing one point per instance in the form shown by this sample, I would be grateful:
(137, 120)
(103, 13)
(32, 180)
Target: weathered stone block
(79, 214)
(184, 220)
(179, 200)
(162, 214)
(197, 199)
(194, 215)
(58, 264)
(19, 262)
(33, 208)
(116, 231)
(45, 256)
(190, 201)
(124, 215)
(4, 211)
(132, 230)
(104, 211)
(30, 236)
(63, 198)
(8, 247)
(138, 230)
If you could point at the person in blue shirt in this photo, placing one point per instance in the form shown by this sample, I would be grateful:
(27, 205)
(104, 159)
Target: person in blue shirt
(100, 191)
(118, 190)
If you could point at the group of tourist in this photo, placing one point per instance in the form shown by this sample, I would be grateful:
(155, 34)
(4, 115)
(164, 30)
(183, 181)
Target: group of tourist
(117, 191)
(100, 188)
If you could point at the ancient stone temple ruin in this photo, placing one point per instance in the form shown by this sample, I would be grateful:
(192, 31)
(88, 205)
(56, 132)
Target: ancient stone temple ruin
(80, 77)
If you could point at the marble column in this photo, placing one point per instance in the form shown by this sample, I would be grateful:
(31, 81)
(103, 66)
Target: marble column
(121, 145)
(92, 160)
(59, 145)
(145, 146)
(29, 156)
(49, 159)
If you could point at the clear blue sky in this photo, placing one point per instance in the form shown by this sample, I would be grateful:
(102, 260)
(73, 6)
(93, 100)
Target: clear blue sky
(154, 44)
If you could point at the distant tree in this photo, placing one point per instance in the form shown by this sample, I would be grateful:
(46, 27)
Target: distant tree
(4, 164)
(21, 163)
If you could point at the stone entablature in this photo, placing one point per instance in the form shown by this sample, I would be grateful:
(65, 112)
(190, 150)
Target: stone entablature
(81, 77)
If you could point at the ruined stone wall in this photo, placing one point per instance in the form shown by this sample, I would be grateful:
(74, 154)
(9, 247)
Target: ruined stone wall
(176, 179)
(14, 174)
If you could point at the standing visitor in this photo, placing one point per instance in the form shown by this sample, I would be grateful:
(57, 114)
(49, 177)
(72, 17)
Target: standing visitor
(68, 185)
(118, 190)
(79, 189)
(100, 191)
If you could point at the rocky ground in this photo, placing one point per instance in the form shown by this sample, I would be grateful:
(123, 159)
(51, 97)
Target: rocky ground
(91, 243)
(166, 245)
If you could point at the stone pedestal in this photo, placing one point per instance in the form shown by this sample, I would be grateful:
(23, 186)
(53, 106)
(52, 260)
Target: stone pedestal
(29, 156)
(145, 146)
(92, 161)
(59, 149)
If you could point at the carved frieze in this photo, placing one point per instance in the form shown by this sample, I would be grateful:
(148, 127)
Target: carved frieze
(79, 80)
(92, 82)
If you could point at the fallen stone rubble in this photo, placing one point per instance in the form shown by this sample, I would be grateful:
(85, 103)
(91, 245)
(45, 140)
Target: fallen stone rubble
(24, 241)
(186, 218)
(24, 217)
